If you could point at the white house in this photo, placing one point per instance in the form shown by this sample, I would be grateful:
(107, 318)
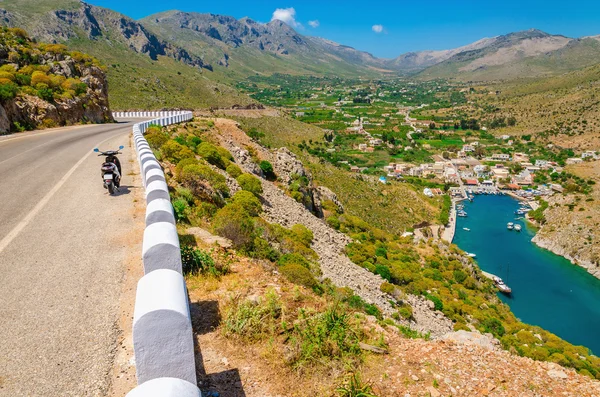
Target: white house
(541, 163)
(574, 160)
(589, 153)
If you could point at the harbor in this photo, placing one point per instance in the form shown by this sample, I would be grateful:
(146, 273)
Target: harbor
(546, 289)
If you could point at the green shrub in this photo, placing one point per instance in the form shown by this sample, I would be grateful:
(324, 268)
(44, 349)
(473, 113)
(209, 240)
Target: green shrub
(233, 170)
(493, 326)
(387, 288)
(7, 75)
(303, 234)
(195, 261)
(298, 274)
(334, 222)
(210, 153)
(437, 302)
(181, 208)
(235, 224)
(174, 152)
(39, 77)
(267, 169)
(184, 163)
(354, 387)
(325, 336)
(253, 321)
(156, 139)
(250, 184)
(406, 312)
(248, 202)
(23, 79)
(8, 90)
(224, 153)
(293, 258)
(45, 92)
(203, 181)
(384, 272)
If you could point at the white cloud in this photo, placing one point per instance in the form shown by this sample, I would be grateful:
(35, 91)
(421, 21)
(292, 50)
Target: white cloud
(287, 15)
(314, 24)
(377, 28)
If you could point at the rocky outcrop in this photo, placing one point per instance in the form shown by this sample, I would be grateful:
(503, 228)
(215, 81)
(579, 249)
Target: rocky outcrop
(28, 111)
(322, 194)
(287, 166)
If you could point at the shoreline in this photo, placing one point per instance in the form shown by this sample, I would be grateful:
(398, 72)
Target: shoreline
(450, 231)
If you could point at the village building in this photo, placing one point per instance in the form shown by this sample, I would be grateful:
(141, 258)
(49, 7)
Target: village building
(499, 173)
(501, 156)
(542, 163)
(520, 157)
(574, 160)
(468, 148)
(589, 153)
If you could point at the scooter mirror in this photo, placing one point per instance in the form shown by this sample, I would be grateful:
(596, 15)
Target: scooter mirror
(121, 147)
(96, 150)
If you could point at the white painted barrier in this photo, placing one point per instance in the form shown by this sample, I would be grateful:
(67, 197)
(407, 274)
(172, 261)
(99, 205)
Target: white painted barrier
(159, 210)
(162, 329)
(160, 248)
(165, 387)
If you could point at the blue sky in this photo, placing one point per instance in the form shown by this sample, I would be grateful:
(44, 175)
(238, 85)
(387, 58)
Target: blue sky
(389, 28)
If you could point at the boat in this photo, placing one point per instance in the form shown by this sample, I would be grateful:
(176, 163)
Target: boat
(505, 289)
(518, 227)
(510, 226)
(462, 214)
(467, 229)
(471, 255)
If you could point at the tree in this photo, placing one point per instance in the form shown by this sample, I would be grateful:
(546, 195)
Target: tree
(432, 126)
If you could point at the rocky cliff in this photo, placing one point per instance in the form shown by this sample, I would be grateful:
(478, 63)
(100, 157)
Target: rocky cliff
(44, 85)
(571, 223)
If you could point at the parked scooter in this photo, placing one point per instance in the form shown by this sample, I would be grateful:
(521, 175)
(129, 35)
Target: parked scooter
(111, 169)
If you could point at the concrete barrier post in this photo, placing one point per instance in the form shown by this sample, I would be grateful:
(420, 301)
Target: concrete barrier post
(162, 328)
(160, 210)
(160, 248)
(165, 387)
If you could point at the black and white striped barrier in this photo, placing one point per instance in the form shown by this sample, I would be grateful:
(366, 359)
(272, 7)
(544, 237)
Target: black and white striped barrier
(163, 341)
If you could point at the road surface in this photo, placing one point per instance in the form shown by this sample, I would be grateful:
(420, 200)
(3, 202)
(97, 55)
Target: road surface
(62, 260)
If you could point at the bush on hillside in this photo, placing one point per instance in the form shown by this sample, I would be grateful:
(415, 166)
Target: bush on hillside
(234, 223)
(234, 171)
(209, 152)
(303, 234)
(248, 202)
(203, 182)
(174, 152)
(298, 274)
(250, 184)
(267, 169)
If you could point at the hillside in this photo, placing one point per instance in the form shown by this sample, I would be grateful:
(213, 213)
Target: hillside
(530, 53)
(239, 48)
(46, 85)
(561, 109)
(571, 222)
(143, 71)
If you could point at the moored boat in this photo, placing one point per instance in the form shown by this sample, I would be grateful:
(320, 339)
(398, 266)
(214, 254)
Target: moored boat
(510, 226)
(505, 289)
(466, 229)
(517, 227)
(471, 255)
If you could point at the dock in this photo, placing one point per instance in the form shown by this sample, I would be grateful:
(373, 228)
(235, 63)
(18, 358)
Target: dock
(489, 275)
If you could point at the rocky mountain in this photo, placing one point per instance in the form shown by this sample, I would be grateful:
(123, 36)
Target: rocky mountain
(182, 59)
(415, 61)
(243, 47)
(45, 85)
(144, 71)
(530, 53)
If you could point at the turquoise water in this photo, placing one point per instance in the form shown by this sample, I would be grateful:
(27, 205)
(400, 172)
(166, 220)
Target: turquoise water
(547, 290)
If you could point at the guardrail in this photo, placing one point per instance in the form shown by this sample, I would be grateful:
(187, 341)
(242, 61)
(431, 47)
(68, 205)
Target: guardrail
(163, 341)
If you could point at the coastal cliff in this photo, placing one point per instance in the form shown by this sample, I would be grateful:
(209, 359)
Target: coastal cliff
(570, 227)
(45, 85)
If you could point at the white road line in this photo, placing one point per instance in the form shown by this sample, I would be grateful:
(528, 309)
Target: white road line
(33, 134)
(25, 221)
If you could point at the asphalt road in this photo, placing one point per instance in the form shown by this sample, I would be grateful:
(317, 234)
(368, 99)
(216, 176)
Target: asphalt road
(62, 253)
